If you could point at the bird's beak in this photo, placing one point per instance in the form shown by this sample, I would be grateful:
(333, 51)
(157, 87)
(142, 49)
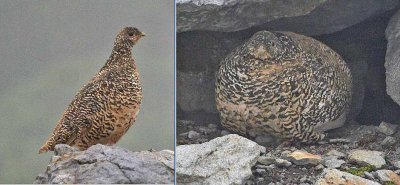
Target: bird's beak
(143, 34)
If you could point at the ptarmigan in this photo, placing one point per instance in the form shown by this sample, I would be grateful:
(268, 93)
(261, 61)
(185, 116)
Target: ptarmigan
(283, 84)
(105, 108)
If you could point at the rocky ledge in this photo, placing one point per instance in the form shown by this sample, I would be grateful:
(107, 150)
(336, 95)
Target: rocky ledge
(354, 154)
(102, 164)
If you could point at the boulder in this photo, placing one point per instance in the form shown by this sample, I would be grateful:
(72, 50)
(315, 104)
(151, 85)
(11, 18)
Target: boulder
(223, 160)
(102, 164)
(388, 176)
(392, 59)
(368, 157)
(333, 176)
(305, 17)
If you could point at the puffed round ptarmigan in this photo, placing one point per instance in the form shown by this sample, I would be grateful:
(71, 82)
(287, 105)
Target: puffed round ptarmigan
(283, 84)
(105, 108)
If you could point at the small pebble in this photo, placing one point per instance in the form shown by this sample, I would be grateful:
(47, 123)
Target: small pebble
(282, 163)
(261, 166)
(336, 153)
(193, 134)
(224, 133)
(261, 171)
(369, 175)
(387, 128)
(285, 153)
(319, 167)
(396, 164)
(266, 160)
(184, 134)
(388, 141)
(339, 140)
(303, 179)
(212, 125)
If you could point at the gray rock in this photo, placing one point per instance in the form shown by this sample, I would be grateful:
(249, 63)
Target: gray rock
(333, 163)
(333, 176)
(193, 134)
(109, 164)
(392, 58)
(396, 164)
(367, 157)
(224, 160)
(339, 140)
(387, 176)
(387, 128)
(369, 176)
(225, 132)
(266, 160)
(212, 126)
(305, 17)
(62, 149)
(282, 163)
(336, 154)
(388, 141)
(261, 171)
(319, 167)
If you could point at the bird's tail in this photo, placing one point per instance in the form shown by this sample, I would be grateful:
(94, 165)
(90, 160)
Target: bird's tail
(49, 145)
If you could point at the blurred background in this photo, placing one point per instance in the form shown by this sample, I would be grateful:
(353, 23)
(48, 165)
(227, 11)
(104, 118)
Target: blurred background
(49, 49)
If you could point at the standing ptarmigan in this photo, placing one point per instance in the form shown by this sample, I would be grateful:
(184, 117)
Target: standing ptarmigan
(283, 84)
(105, 108)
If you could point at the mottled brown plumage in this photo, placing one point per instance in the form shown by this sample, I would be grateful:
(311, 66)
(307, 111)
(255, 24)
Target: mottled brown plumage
(283, 84)
(105, 108)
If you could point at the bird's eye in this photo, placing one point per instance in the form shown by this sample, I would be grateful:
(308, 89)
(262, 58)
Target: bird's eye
(130, 34)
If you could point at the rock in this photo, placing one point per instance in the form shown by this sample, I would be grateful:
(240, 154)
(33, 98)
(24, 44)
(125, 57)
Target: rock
(396, 164)
(333, 176)
(333, 163)
(266, 160)
(305, 17)
(333, 141)
(109, 164)
(212, 126)
(319, 167)
(261, 171)
(387, 128)
(335, 153)
(388, 141)
(225, 132)
(62, 149)
(387, 176)
(223, 160)
(299, 157)
(282, 163)
(367, 157)
(369, 176)
(193, 134)
(392, 58)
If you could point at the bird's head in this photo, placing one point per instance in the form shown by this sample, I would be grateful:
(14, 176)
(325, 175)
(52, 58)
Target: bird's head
(128, 37)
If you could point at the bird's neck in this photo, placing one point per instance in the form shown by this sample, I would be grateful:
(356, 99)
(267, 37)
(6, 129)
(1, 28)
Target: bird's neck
(120, 56)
